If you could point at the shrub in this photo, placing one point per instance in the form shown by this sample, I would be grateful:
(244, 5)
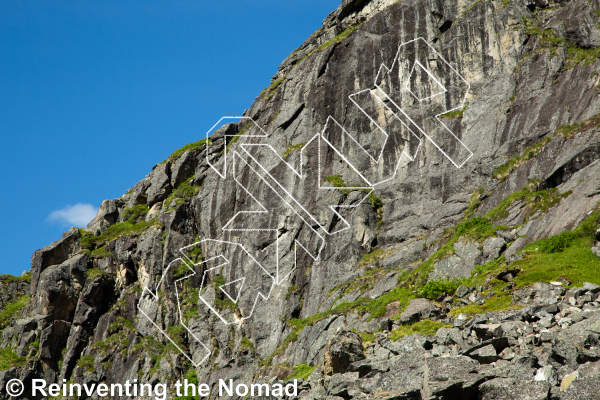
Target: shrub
(301, 371)
(434, 289)
(195, 145)
(557, 243)
(9, 359)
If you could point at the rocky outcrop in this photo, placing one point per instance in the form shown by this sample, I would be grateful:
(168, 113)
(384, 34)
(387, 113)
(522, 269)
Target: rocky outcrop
(343, 349)
(536, 352)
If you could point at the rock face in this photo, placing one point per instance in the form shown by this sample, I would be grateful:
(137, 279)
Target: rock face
(188, 247)
(343, 349)
(417, 309)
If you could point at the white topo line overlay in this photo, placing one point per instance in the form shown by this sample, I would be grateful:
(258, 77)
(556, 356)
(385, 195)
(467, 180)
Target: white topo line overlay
(152, 295)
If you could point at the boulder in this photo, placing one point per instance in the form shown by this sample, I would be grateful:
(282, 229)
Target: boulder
(514, 388)
(493, 248)
(468, 252)
(462, 291)
(451, 267)
(485, 355)
(417, 309)
(108, 214)
(54, 254)
(344, 348)
(548, 374)
(138, 193)
(184, 167)
(508, 275)
(160, 183)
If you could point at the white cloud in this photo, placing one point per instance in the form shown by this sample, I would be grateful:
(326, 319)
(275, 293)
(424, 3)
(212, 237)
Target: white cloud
(78, 215)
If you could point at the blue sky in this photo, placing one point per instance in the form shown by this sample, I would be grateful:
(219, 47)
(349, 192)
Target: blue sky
(94, 93)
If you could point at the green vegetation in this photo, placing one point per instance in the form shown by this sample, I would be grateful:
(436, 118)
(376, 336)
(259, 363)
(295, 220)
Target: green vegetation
(541, 200)
(579, 55)
(237, 136)
(182, 192)
(434, 289)
(90, 243)
(192, 378)
(290, 290)
(272, 89)
(9, 359)
(335, 180)
(367, 337)
(11, 278)
(371, 258)
(376, 202)
(246, 344)
(101, 253)
(566, 255)
(503, 171)
(570, 131)
(133, 214)
(301, 371)
(474, 202)
(338, 38)
(456, 113)
(425, 327)
(86, 362)
(93, 273)
(496, 303)
(292, 147)
(179, 152)
(11, 310)
(222, 302)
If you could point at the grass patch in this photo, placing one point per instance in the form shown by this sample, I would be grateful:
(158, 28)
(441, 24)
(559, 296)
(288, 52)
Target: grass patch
(496, 303)
(90, 242)
(541, 200)
(367, 337)
(192, 378)
(133, 214)
(371, 258)
(246, 344)
(270, 91)
(338, 38)
(566, 255)
(292, 147)
(301, 371)
(9, 359)
(11, 310)
(570, 131)
(456, 113)
(335, 180)
(93, 273)
(567, 131)
(184, 191)
(11, 278)
(101, 253)
(578, 55)
(86, 362)
(376, 202)
(424, 327)
(503, 171)
(434, 289)
(474, 202)
(200, 144)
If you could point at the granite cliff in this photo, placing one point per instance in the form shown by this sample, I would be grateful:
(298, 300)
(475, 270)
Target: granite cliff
(438, 243)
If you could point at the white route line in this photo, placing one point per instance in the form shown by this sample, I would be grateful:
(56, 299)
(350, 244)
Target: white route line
(273, 184)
